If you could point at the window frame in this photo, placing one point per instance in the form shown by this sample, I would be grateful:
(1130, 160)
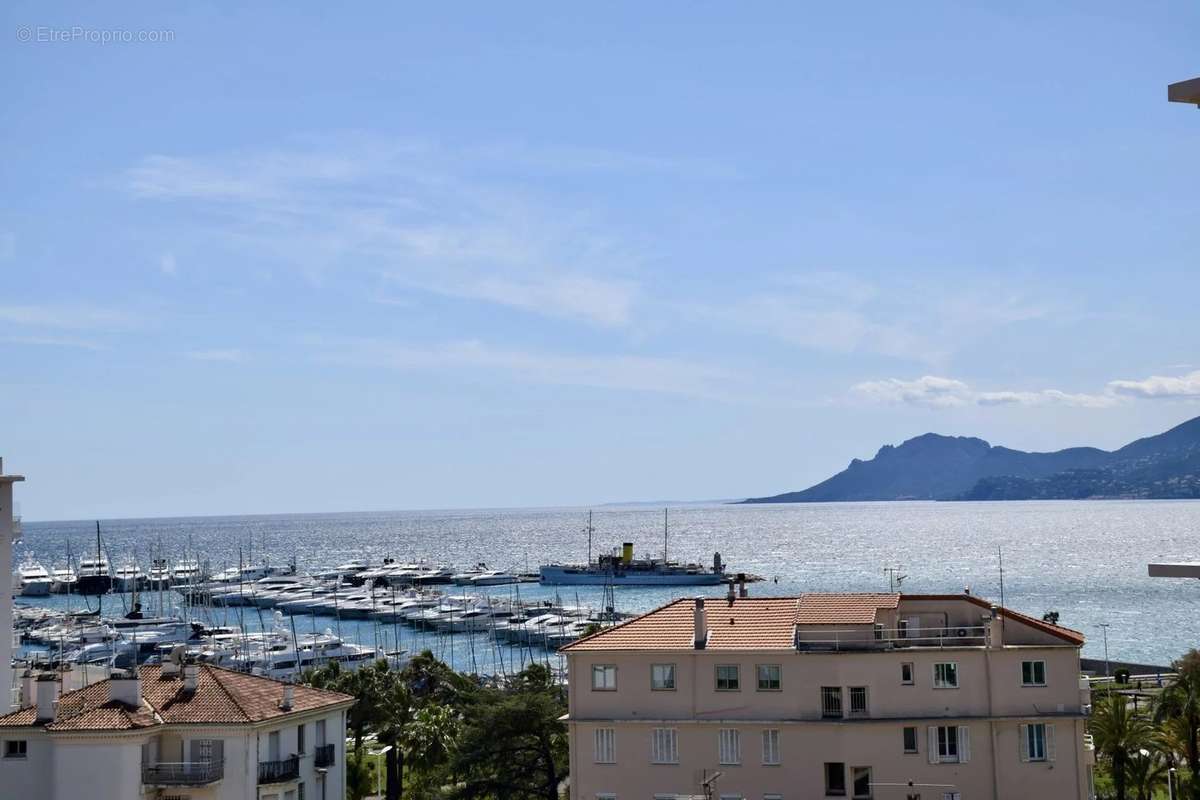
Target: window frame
(911, 669)
(737, 678)
(916, 738)
(865, 711)
(758, 677)
(660, 737)
(604, 668)
(770, 747)
(940, 682)
(828, 692)
(944, 735)
(1036, 732)
(1033, 665)
(831, 791)
(854, 793)
(654, 687)
(729, 744)
(13, 745)
(604, 740)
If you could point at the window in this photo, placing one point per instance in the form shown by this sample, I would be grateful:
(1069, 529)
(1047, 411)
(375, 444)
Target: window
(606, 796)
(729, 746)
(951, 795)
(604, 678)
(1037, 742)
(300, 791)
(906, 673)
(770, 743)
(605, 746)
(273, 746)
(300, 739)
(727, 678)
(662, 677)
(831, 702)
(320, 733)
(772, 797)
(910, 740)
(16, 748)
(862, 781)
(858, 701)
(945, 675)
(835, 779)
(770, 677)
(1033, 673)
(949, 744)
(664, 746)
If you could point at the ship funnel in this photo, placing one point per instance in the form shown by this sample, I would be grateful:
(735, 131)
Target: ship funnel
(627, 552)
(700, 619)
(718, 567)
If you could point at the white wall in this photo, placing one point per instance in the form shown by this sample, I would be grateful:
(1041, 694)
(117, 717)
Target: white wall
(25, 777)
(6, 590)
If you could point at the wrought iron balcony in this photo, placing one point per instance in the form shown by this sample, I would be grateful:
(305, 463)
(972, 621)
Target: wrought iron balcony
(279, 771)
(183, 773)
(323, 756)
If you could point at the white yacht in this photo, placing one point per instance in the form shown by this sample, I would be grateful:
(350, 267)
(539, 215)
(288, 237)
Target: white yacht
(186, 571)
(159, 574)
(250, 574)
(93, 576)
(493, 577)
(63, 580)
(128, 578)
(33, 579)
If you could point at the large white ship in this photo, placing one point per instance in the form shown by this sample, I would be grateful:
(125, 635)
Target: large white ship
(622, 569)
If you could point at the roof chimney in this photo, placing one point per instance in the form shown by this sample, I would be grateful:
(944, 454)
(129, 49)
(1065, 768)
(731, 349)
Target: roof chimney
(125, 688)
(191, 676)
(285, 703)
(28, 689)
(700, 618)
(731, 594)
(741, 578)
(47, 697)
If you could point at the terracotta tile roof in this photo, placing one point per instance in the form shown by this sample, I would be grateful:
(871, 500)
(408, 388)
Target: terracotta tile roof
(221, 696)
(749, 623)
(857, 608)
(767, 623)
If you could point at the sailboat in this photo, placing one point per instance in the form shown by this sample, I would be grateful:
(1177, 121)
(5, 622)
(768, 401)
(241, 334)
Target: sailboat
(94, 575)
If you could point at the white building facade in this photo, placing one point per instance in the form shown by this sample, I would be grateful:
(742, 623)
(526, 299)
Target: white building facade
(194, 732)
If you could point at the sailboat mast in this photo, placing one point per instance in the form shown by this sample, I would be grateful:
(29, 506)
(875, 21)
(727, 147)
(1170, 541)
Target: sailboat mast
(664, 536)
(589, 529)
(100, 597)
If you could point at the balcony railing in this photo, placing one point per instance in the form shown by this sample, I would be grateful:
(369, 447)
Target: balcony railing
(183, 773)
(279, 771)
(323, 756)
(891, 638)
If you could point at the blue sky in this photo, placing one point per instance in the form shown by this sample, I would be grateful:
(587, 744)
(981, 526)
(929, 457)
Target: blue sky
(304, 258)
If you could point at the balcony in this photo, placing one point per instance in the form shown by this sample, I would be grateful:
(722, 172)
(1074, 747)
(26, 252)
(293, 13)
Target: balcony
(323, 756)
(183, 773)
(279, 771)
(881, 638)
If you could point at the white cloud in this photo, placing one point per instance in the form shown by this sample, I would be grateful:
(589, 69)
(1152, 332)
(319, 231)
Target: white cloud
(417, 215)
(931, 391)
(618, 372)
(1159, 386)
(230, 355)
(71, 317)
(53, 341)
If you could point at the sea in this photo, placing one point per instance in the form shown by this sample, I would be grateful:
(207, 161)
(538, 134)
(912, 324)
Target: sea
(1086, 560)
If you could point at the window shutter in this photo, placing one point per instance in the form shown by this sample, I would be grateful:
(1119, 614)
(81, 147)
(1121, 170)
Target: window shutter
(1023, 742)
(933, 744)
(964, 744)
(1049, 742)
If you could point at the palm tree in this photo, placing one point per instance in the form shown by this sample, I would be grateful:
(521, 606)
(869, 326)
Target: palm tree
(1180, 700)
(1120, 732)
(1147, 771)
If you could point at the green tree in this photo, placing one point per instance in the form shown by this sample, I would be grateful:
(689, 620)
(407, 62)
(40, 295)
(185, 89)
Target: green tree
(513, 744)
(1180, 703)
(1119, 732)
(360, 774)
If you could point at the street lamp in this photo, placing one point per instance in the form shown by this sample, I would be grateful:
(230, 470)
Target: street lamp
(1104, 626)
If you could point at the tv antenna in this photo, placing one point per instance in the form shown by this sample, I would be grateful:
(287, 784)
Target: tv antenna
(895, 577)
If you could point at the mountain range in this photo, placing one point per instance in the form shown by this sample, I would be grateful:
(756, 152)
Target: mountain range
(935, 467)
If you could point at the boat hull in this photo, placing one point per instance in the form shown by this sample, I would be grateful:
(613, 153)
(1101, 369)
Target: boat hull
(93, 584)
(564, 576)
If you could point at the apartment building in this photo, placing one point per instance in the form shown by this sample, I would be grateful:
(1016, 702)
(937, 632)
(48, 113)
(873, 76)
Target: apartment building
(190, 732)
(943, 697)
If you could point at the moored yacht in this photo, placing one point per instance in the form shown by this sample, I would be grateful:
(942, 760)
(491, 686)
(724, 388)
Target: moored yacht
(128, 578)
(33, 579)
(63, 580)
(93, 576)
(186, 571)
